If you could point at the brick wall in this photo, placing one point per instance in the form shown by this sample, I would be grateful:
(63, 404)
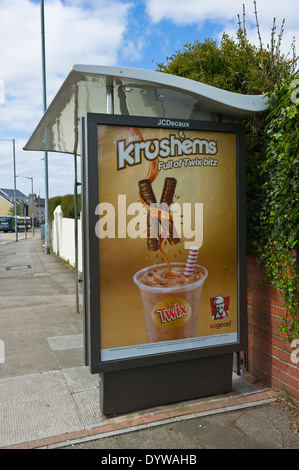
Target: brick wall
(269, 356)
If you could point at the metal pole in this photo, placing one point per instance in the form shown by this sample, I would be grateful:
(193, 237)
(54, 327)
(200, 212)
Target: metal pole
(47, 219)
(15, 187)
(109, 99)
(76, 233)
(76, 198)
(32, 215)
(25, 224)
(39, 214)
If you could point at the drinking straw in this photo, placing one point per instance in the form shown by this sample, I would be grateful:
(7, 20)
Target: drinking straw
(191, 260)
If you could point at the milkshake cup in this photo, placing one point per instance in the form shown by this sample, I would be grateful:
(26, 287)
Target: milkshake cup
(170, 311)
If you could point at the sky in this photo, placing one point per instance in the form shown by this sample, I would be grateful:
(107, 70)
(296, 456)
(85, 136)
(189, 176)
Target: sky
(129, 33)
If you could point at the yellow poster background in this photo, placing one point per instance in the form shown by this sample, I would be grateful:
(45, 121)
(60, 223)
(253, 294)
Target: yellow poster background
(121, 313)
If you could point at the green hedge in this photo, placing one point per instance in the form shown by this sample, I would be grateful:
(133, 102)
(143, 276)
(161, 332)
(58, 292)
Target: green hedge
(53, 203)
(67, 205)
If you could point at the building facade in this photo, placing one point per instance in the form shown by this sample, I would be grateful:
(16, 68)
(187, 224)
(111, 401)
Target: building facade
(31, 206)
(7, 202)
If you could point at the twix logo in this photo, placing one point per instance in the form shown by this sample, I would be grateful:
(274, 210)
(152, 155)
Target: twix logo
(133, 152)
(172, 313)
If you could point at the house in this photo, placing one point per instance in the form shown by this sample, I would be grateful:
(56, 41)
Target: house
(34, 205)
(36, 208)
(7, 201)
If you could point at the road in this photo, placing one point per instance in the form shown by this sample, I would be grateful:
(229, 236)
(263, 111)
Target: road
(10, 236)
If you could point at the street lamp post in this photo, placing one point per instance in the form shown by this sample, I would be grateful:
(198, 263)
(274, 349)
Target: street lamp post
(32, 217)
(15, 186)
(47, 218)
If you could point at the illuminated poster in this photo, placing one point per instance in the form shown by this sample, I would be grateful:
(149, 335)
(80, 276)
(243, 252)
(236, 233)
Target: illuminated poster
(165, 194)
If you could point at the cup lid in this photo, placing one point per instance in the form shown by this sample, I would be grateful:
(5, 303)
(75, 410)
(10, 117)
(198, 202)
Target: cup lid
(171, 289)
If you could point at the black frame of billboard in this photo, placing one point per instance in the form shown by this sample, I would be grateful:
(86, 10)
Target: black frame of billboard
(91, 275)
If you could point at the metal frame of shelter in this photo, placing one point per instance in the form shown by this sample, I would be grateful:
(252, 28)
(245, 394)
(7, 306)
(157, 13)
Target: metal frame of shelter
(87, 92)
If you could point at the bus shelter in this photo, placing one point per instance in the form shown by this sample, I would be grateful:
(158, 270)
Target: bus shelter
(163, 204)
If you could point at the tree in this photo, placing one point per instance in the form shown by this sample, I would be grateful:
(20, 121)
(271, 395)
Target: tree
(20, 210)
(240, 67)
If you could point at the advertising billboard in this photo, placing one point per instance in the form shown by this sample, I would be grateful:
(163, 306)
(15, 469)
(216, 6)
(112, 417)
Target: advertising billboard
(164, 219)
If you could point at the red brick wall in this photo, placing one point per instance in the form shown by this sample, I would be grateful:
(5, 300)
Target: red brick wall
(269, 356)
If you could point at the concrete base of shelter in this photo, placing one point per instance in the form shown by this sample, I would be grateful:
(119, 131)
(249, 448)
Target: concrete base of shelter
(134, 389)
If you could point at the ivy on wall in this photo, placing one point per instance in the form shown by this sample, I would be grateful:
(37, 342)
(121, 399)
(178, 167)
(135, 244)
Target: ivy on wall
(279, 216)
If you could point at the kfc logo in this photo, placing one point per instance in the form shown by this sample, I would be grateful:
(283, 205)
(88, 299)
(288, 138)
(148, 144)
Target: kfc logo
(219, 307)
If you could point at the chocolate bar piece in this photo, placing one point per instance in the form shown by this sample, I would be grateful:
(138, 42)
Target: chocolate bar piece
(168, 190)
(167, 198)
(147, 194)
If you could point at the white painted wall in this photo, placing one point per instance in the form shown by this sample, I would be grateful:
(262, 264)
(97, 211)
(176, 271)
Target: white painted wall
(63, 238)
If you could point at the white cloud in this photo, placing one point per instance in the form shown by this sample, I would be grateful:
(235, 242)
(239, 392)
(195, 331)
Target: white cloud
(73, 35)
(197, 11)
(191, 12)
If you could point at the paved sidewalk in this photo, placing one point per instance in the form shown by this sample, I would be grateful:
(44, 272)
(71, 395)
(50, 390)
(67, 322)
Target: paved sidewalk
(49, 399)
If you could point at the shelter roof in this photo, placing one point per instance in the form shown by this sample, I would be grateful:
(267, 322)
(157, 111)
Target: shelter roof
(132, 92)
